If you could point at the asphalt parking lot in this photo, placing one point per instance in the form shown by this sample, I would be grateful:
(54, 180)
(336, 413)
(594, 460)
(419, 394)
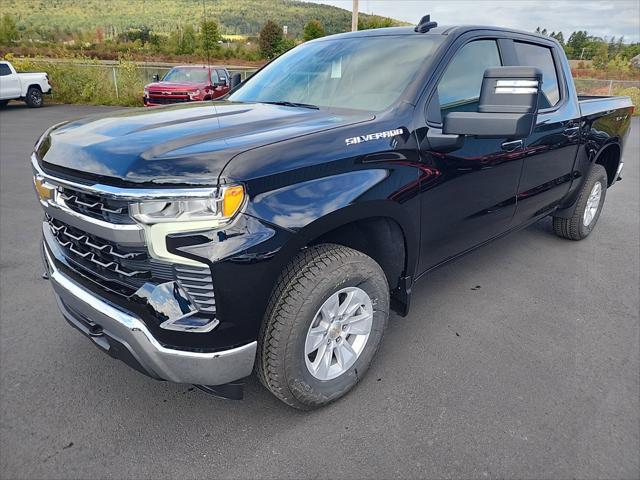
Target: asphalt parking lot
(521, 360)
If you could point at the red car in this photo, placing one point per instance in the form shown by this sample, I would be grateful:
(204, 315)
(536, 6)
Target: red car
(188, 83)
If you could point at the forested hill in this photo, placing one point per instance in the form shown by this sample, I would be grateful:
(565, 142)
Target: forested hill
(243, 17)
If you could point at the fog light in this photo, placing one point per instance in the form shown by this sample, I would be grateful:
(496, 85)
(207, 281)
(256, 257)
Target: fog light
(174, 307)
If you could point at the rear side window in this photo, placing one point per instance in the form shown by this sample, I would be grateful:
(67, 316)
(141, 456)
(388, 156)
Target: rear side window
(459, 87)
(530, 55)
(222, 75)
(4, 70)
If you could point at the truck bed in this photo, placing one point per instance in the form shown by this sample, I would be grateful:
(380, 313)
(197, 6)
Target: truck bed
(600, 105)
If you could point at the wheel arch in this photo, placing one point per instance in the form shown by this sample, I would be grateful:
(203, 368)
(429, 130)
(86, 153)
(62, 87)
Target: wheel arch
(380, 229)
(34, 85)
(609, 156)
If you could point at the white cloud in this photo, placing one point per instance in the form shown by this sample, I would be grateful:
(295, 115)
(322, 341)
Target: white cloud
(599, 18)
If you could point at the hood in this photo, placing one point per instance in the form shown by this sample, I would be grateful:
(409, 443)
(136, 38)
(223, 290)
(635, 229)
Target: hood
(173, 86)
(182, 144)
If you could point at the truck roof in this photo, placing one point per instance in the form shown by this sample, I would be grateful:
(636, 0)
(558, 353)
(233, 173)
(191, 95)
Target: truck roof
(439, 30)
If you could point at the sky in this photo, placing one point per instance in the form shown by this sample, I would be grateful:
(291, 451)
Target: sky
(602, 18)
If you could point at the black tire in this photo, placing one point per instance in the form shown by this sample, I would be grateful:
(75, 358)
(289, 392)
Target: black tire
(34, 98)
(4, 103)
(317, 273)
(574, 228)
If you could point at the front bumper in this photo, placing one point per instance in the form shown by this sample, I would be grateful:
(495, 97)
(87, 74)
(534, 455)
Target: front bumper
(126, 337)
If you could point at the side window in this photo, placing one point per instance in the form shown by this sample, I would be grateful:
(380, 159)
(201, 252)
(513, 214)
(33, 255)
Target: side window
(4, 70)
(530, 55)
(222, 75)
(459, 87)
(214, 77)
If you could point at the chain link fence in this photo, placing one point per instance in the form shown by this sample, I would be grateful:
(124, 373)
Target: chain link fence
(592, 86)
(102, 82)
(119, 77)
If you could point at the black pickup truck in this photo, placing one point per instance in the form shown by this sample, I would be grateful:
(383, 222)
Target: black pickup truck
(274, 231)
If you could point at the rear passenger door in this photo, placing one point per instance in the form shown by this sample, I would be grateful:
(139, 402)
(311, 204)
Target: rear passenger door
(551, 149)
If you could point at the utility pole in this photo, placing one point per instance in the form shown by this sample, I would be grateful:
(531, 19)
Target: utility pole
(205, 40)
(354, 16)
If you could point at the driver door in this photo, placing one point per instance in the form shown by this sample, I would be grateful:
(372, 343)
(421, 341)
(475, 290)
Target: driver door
(470, 195)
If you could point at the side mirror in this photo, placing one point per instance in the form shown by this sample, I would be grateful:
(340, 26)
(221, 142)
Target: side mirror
(156, 78)
(508, 105)
(236, 79)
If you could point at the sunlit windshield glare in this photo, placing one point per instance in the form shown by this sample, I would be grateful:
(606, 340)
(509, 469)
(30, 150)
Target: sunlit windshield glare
(188, 75)
(364, 73)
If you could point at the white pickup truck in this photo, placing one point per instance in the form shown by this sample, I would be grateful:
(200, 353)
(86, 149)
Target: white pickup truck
(29, 87)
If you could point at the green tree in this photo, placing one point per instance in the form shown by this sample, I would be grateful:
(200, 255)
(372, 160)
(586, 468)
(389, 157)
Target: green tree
(313, 29)
(577, 41)
(183, 40)
(270, 39)
(284, 45)
(601, 56)
(8, 30)
(368, 23)
(209, 35)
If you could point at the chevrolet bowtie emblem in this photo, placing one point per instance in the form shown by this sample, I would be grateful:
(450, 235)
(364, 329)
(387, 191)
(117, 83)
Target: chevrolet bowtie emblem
(45, 191)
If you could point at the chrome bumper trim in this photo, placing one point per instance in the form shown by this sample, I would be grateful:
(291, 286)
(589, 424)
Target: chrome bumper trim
(128, 234)
(178, 366)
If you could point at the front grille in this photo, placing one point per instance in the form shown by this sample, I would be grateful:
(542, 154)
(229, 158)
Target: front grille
(167, 100)
(124, 270)
(169, 94)
(128, 267)
(102, 208)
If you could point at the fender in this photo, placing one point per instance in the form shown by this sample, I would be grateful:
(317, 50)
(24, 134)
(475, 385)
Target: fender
(587, 157)
(313, 208)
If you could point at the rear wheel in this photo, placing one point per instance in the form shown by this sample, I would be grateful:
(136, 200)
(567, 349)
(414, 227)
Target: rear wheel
(323, 326)
(34, 97)
(588, 207)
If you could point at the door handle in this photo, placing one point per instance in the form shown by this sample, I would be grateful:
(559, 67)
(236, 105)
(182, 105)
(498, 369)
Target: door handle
(571, 131)
(512, 146)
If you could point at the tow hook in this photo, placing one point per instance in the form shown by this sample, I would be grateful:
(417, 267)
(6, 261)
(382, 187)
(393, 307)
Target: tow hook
(95, 330)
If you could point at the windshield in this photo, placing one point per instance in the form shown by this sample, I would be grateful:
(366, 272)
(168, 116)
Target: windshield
(187, 75)
(363, 73)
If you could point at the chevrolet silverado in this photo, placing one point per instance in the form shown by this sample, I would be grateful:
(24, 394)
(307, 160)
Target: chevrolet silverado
(275, 230)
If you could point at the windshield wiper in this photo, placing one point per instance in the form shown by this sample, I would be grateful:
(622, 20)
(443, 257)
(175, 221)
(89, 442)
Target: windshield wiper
(293, 104)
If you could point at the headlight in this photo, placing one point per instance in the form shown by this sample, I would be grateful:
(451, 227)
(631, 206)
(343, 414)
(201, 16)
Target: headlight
(160, 218)
(194, 93)
(214, 209)
(146, 92)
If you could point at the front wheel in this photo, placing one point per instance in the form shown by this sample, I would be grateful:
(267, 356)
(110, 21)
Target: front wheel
(34, 97)
(588, 207)
(323, 326)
